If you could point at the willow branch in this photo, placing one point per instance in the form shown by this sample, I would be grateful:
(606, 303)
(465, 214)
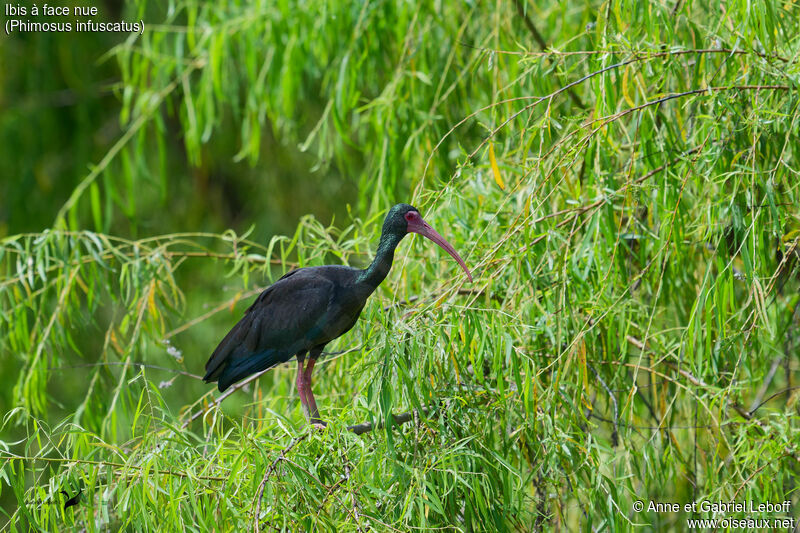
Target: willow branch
(224, 395)
(268, 473)
(542, 44)
(13, 457)
(397, 420)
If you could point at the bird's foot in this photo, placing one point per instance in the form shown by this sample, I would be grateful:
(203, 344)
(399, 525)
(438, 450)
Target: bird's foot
(316, 423)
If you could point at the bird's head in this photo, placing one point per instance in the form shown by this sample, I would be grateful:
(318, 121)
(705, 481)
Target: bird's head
(403, 219)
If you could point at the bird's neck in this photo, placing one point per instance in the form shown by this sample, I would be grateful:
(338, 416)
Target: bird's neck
(375, 273)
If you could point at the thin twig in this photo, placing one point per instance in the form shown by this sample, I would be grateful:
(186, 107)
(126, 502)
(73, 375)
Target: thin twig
(771, 462)
(764, 386)
(224, 305)
(755, 408)
(697, 382)
(267, 474)
(328, 494)
(615, 433)
(134, 364)
(353, 499)
(8, 456)
(224, 395)
(542, 44)
(688, 375)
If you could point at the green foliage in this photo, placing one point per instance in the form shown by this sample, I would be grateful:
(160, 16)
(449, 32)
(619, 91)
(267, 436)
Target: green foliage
(628, 201)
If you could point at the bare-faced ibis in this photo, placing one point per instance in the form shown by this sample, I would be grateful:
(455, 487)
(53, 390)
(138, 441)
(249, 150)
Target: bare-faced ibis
(309, 307)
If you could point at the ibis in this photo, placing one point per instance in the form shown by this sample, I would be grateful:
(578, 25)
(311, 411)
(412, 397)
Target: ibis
(309, 307)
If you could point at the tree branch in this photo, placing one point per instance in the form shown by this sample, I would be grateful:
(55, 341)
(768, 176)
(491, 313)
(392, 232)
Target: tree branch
(267, 474)
(224, 395)
(402, 418)
(542, 44)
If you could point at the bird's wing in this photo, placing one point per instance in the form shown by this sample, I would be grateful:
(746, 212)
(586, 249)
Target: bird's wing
(285, 318)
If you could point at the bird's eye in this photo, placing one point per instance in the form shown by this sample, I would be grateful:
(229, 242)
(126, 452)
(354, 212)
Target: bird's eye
(411, 215)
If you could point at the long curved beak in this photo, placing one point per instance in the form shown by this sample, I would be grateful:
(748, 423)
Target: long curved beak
(425, 229)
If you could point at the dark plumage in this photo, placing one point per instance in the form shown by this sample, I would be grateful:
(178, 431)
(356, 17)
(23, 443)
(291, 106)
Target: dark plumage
(309, 307)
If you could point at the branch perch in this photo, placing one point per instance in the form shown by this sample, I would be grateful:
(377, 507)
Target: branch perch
(402, 418)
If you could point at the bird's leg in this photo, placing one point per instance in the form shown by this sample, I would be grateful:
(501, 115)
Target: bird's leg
(312, 403)
(303, 386)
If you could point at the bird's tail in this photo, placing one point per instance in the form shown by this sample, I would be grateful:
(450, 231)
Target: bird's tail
(239, 369)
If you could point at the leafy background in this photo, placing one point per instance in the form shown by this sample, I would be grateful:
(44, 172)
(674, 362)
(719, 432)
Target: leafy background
(621, 177)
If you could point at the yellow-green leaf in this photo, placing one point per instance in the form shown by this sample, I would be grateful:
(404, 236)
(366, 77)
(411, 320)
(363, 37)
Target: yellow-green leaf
(625, 87)
(495, 169)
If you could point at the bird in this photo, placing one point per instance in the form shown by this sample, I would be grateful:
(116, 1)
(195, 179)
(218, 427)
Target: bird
(71, 500)
(309, 307)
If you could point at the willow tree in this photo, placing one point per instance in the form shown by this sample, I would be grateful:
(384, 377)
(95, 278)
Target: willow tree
(622, 178)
